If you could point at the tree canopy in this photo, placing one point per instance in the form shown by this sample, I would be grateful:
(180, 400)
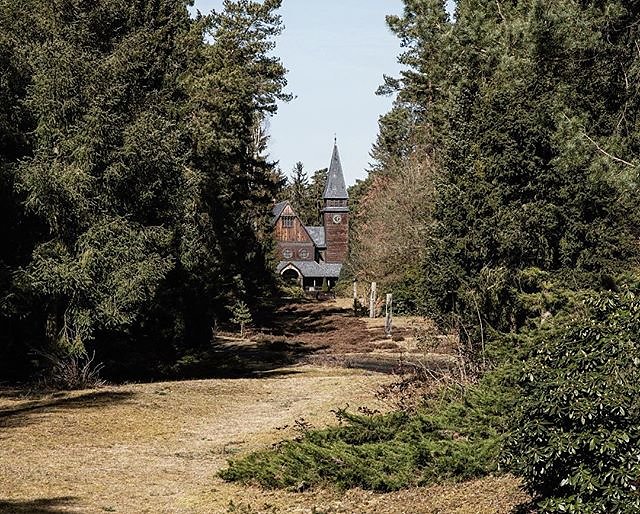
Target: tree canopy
(137, 194)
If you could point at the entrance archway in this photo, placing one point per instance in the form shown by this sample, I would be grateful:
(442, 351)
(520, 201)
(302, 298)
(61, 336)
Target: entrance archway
(291, 276)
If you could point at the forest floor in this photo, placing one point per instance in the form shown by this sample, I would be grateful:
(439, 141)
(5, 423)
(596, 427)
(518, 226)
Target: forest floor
(156, 448)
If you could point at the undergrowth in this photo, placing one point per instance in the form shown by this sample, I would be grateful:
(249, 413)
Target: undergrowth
(456, 437)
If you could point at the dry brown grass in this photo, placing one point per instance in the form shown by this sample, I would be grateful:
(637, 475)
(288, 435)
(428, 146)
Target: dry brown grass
(156, 448)
(490, 495)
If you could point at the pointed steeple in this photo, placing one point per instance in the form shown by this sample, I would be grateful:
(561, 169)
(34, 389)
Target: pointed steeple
(335, 188)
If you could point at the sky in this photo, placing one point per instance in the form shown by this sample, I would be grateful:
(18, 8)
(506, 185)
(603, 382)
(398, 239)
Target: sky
(337, 52)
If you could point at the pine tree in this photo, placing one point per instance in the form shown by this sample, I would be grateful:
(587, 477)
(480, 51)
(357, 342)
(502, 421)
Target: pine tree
(298, 190)
(517, 101)
(233, 85)
(140, 149)
(18, 230)
(306, 195)
(107, 160)
(315, 199)
(241, 316)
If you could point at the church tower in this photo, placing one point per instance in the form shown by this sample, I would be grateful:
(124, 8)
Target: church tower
(335, 214)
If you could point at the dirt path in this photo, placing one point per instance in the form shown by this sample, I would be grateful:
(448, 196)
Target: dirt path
(156, 448)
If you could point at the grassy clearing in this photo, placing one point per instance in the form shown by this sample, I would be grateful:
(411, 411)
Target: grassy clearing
(157, 448)
(490, 495)
(454, 437)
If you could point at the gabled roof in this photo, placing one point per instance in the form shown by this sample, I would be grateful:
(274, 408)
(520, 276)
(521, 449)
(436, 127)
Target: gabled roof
(335, 188)
(317, 234)
(277, 211)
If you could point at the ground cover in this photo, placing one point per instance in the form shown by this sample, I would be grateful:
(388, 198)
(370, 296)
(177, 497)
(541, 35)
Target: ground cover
(157, 447)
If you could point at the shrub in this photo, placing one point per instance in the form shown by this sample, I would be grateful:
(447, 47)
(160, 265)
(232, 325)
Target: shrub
(453, 439)
(292, 292)
(576, 431)
(241, 316)
(70, 372)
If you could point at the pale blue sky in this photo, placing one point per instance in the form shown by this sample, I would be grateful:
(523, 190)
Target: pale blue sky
(336, 52)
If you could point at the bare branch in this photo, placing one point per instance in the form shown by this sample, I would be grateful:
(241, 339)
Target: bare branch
(603, 151)
(500, 11)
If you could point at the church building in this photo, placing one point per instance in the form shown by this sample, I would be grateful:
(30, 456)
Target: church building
(309, 255)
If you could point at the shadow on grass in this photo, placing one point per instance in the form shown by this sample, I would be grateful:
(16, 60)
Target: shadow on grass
(300, 317)
(236, 359)
(304, 321)
(24, 414)
(39, 506)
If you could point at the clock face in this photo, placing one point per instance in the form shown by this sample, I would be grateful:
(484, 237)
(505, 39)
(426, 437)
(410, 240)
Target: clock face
(337, 218)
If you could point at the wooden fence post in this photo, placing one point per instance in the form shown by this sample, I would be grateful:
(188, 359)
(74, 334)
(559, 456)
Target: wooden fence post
(355, 298)
(372, 300)
(388, 309)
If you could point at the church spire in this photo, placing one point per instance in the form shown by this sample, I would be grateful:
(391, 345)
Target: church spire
(335, 188)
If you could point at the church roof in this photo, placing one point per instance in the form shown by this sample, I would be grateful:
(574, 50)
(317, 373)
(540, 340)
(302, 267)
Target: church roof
(313, 269)
(317, 234)
(335, 188)
(277, 211)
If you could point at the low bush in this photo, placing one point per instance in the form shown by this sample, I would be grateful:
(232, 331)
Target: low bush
(70, 372)
(576, 433)
(455, 438)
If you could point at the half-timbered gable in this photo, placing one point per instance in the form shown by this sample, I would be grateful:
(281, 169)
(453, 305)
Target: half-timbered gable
(294, 243)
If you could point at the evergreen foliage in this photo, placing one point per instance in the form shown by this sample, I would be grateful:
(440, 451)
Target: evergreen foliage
(241, 316)
(131, 159)
(576, 433)
(456, 438)
(525, 114)
(524, 180)
(305, 195)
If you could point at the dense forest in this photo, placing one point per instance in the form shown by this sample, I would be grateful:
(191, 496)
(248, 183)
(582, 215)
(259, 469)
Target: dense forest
(135, 193)
(501, 203)
(305, 193)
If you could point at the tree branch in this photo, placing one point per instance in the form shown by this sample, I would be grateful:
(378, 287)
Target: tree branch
(500, 11)
(602, 150)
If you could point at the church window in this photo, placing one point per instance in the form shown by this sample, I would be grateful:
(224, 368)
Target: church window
(303, 253)
(287, 253)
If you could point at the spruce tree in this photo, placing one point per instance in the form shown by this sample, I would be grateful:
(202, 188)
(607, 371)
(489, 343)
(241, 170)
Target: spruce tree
(233, 83)
(133, 134)
(298, 192)
(315, 193)
(108, 160)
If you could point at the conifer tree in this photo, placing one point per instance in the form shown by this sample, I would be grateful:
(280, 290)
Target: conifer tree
(107, 163)
(133, 134)
(306, 195)
(298, 191)
(232, 84)
(18, 231)
(316, 190)
(531, 130)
